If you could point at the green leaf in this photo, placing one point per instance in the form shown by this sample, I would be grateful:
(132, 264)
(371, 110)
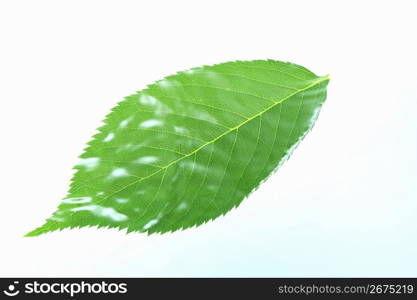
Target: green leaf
(190, 147)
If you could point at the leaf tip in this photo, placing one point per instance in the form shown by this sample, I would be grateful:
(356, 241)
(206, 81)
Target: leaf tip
(36, 232)
(40, 230)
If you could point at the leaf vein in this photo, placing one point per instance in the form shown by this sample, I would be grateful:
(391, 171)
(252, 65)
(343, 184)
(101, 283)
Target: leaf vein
(223, 134)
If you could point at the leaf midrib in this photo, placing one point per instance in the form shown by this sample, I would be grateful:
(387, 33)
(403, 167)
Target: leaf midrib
(311, 85)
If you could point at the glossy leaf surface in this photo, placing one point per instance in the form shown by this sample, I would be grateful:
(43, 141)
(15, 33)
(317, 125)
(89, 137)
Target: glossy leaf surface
(190, 147)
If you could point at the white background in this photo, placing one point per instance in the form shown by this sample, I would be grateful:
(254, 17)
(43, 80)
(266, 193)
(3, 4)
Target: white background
(345, 204)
